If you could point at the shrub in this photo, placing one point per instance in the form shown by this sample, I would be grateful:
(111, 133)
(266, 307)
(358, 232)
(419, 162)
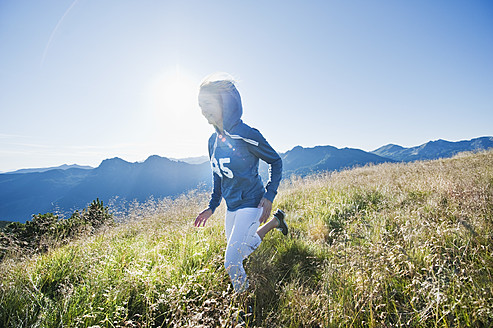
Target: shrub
(46, 230)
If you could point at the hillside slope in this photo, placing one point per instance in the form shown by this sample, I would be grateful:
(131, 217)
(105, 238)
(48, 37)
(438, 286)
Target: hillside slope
(408, 244)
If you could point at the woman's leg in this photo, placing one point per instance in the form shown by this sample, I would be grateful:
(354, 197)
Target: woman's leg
(263, 230)
(229, 222)
(241, 230)
(278, 221)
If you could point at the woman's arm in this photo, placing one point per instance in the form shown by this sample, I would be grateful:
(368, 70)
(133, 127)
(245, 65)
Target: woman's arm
(216, 194)
(203, 217)
(265, 152)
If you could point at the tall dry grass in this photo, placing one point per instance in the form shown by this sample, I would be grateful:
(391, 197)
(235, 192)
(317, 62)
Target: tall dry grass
(404, 244)
(394, 245)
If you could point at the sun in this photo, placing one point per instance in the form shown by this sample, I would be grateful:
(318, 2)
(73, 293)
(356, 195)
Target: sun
(176, 126)
(174, 94)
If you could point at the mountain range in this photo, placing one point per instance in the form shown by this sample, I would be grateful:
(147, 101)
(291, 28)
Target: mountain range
(44, 169)
(433, 149)
(65, 189)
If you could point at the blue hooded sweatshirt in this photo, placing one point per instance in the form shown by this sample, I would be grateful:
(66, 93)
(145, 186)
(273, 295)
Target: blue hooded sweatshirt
(234, 154)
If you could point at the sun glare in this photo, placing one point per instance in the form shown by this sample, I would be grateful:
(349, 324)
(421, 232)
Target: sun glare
(178, 125)
(174, 95)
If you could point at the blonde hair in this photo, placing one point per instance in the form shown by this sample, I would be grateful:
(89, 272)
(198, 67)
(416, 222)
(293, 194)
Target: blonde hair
(218, 84)
(218, 77)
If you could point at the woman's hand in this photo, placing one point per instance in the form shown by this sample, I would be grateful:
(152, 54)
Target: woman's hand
(203, 217)
(266, 206)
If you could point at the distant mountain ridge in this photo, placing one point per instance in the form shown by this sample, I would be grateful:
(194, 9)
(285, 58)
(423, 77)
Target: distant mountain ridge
(44, 169)
(192, 160)
(65, 190)
(24, 194)
(433, 149)
(303, 161)
(156, 176)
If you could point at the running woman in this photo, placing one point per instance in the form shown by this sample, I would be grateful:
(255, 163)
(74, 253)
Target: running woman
(234, 152)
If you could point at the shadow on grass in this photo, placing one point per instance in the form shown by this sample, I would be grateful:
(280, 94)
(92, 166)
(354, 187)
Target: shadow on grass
(276, 264)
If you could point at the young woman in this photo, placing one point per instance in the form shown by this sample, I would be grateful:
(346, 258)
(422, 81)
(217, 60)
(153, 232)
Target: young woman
(234, 152)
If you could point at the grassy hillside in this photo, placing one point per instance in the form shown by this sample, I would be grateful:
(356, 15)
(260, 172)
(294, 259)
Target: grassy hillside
(3, 224)
(407, 245)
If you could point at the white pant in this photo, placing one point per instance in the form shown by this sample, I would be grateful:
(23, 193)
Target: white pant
(241, 233)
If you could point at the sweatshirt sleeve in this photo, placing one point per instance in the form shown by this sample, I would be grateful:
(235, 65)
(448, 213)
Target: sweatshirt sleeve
(216, 194)
(266, 153)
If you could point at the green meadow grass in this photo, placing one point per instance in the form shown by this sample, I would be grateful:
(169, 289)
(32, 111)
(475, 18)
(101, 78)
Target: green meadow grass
(393, 245)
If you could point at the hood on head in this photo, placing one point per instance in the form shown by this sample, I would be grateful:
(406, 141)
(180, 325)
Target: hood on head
(232, 108)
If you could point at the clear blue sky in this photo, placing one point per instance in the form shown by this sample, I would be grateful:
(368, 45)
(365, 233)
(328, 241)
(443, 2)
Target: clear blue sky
(86, 80)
